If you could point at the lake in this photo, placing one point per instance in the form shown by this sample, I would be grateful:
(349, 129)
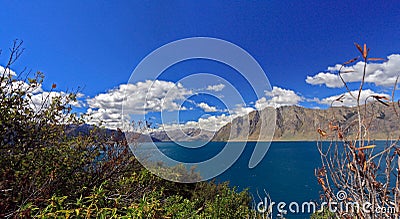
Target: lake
(286, 173)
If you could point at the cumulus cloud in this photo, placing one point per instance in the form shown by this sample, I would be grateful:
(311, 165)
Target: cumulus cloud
(110, 117)
(16, 84)
(21, 85)
(241, 110)
(38, 98)
(42, 100)
(217, 87)
(348, 100)
(153, 96)
(211, 123)
(329, 79)
(142, 97)
(7, 72)
(278, 97)
(381, 74)
(206, 107)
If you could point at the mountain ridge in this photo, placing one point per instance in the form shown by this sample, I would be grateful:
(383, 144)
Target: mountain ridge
(292, 123)
(301, 124)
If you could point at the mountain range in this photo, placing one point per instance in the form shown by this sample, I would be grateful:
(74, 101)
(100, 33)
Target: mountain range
(190, 134)
(299, 123)
(286, 123)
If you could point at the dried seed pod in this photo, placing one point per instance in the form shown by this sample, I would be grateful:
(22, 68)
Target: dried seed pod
(350, 61)
(321, 132)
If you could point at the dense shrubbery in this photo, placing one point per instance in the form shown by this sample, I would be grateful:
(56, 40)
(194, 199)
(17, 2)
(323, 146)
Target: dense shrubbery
(48, 172)
(220, 202)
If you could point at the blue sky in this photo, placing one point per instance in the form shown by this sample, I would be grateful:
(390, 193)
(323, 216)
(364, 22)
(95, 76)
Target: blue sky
(97, 44)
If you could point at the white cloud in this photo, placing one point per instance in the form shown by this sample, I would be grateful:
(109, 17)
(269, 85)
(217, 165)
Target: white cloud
(43, 99)
(21, 85)
(17, 84)
(152, 96)
(217, 87)
(261, 103)
(329, 79)
(111, 118)
(7, 71)
(211, 123)
(241, 110)
(348, 100)
(142, 97)
(278, 97)
(381, 74)
(38, 99)
(206, 107)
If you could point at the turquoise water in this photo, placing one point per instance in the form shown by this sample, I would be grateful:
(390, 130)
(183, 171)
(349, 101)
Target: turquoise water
(286, 173)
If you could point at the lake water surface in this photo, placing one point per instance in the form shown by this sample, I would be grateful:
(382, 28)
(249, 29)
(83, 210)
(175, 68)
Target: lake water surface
(286, 173)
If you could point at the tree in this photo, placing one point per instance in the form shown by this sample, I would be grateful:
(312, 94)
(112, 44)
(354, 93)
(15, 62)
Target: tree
(37, 155)
(40, 155)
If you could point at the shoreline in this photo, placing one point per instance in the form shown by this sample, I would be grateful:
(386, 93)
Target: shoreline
(278, 140)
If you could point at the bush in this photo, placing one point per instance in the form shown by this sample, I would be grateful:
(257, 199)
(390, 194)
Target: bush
(49, 169)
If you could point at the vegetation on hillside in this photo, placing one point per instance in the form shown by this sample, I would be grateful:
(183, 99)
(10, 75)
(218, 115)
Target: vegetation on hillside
(47, 172)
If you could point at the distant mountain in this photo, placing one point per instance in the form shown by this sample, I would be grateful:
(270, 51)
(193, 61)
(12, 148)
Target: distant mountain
(291, 123)
(298, 123)
(116, 135)
(190, 134)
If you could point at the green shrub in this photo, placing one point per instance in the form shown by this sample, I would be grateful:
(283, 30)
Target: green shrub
(47, 171)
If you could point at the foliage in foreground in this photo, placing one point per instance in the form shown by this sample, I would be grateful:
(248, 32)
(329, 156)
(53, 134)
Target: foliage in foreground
(50, 170)
(223, 202)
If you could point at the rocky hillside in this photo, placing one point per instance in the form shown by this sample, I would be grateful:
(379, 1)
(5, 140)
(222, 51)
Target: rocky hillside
(298, 123)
